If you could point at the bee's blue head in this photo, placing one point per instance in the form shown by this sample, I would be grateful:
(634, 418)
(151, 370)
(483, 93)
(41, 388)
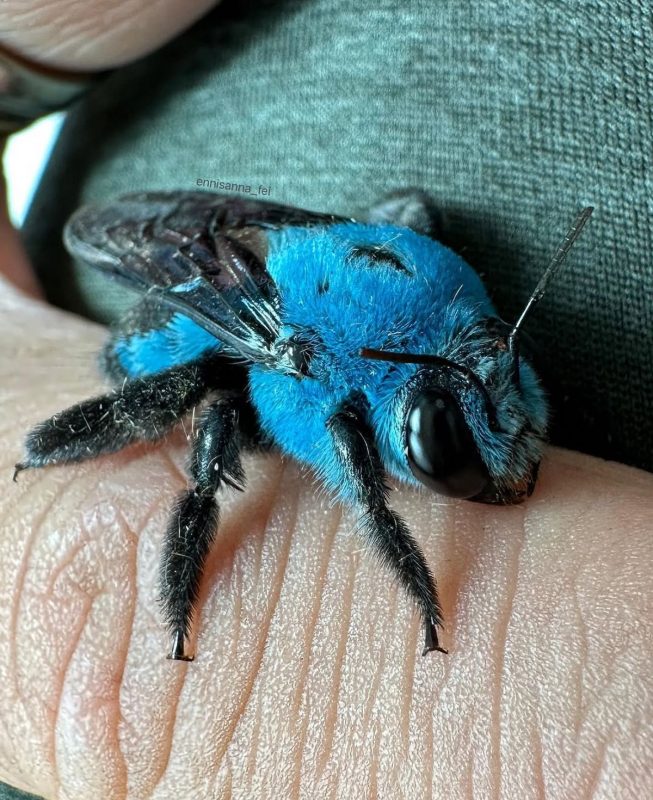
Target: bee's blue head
(475, 416)
(471, 422)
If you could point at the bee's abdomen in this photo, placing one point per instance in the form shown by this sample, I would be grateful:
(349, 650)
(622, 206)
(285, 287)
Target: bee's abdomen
(150, 340)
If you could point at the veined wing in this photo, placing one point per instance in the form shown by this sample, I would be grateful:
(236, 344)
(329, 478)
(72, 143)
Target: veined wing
(199, 253)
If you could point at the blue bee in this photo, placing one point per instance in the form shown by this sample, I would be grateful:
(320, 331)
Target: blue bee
(359, 348)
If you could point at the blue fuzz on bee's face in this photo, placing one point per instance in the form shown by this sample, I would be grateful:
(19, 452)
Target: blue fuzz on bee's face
(359, 349)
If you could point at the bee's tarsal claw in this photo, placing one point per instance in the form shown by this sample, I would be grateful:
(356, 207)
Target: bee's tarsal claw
(18, 468)
(177, 650)
(431, 641)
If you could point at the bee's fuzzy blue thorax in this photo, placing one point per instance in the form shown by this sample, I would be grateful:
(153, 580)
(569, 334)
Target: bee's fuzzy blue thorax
(352, 286)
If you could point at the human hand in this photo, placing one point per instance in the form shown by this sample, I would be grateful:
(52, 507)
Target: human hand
(308, 679)
(109, 33)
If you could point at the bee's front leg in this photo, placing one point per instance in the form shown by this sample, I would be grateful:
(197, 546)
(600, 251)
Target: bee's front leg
(362, 470)
(194, 521)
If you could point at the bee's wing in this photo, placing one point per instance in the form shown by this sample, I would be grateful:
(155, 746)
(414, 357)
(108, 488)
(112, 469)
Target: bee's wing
(202, 254)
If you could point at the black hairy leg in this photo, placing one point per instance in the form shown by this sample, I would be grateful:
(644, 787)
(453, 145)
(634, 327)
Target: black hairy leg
(388, 533)
(142, 409)
(194, 520)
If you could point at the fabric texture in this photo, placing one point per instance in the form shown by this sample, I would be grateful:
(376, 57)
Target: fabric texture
(513, 116)
(9, 793)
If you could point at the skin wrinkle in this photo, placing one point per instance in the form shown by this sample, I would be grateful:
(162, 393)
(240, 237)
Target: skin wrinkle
(311, 626)
(181, 668)
(118, 669)
(468, 782)
(132, 535)
(228, 789)
(316, 606)
(447, 587)
(413, 656)
(259, 556)
(584, 721)
(404, 725)
(18, 592)
(254, 748)
(538, 761)
(133, 540)
(238, 609)
(503, 638)
(331, 719)
(430, 753)
(63, 565)
(374, 688)
(583, 705)
(74, 643)
(376, 739)
(469, 763)
(264, 627)
(595, 778)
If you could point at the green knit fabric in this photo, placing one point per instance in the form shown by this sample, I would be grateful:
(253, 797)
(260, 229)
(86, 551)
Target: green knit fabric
(513, 115)
(9, 793)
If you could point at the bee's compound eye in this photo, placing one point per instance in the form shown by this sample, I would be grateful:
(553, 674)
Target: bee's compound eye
(440, 448)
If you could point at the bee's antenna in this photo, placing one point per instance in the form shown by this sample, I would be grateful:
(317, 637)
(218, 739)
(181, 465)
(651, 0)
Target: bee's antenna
(418, 358)
(426, 358)
(549, 274)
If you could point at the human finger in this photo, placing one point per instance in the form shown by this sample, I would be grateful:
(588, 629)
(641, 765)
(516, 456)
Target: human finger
(308, 679)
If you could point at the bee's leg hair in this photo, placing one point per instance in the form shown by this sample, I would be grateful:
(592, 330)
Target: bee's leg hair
(410, 208)
(362, 470)
(193, 524)
(141, 409)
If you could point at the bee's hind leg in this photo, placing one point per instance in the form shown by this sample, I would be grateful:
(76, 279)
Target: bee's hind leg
(142, 409)
(192, 527)
(362, 470)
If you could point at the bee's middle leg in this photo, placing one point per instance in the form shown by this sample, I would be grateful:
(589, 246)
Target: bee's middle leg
(192, 527)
